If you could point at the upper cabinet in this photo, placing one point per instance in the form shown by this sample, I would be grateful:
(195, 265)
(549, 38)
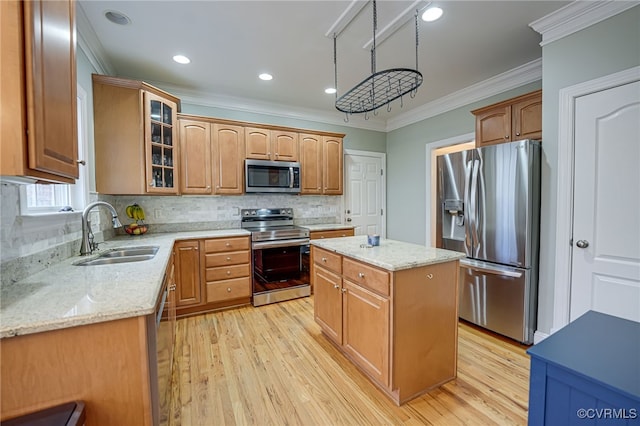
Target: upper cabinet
(511, 120)
(268, 144)
(136, 143)
(321, 164)
(228, 158)
(195, 156)
(38, 67)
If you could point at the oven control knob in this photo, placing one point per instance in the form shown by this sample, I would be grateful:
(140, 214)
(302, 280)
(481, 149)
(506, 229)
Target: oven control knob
(253, 212)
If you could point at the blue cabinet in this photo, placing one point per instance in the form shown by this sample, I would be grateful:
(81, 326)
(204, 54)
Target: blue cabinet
(587, 373)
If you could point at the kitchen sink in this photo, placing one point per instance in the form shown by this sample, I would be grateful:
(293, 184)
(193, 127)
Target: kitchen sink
(120, 255)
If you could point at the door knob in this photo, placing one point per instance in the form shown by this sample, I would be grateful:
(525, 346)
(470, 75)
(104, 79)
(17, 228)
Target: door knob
(348, 219)
(582, 243)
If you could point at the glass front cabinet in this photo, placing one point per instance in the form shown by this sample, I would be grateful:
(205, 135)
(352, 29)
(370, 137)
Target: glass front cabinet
(160, 144)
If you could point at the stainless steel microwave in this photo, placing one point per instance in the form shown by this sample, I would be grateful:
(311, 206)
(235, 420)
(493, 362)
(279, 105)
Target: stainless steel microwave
(272, 176)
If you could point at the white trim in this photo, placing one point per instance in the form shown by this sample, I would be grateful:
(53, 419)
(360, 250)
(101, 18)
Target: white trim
(512, 79)
(90, 44)
(430, 146)
(79, 196)
(564, 198)
(576, 16)
(343, 21)
(539, 336)
(254, 106)
(383, 160)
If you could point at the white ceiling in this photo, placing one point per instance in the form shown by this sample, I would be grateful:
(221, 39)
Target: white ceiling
(231, 42)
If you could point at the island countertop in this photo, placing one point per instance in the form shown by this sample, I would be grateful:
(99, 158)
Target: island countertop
(66, 295)
(391, 255)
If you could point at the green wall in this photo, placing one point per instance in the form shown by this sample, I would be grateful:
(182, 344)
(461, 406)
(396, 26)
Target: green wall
(605, 48)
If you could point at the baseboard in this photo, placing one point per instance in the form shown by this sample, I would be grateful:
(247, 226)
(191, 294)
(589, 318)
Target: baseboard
(539, 336)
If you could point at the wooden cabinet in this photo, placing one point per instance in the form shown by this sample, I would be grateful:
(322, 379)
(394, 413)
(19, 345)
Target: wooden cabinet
(212, 274)
(165, 343)
(321, 161)
(516, 119)
(228, 271)
(274, 145)
(331, 233)
(195, 157)
(228, 159)
(398, 327)
(39, 118)
(136, 143)
(187, 270)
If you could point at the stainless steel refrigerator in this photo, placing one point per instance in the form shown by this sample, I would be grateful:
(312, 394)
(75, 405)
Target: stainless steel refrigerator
(489, 209)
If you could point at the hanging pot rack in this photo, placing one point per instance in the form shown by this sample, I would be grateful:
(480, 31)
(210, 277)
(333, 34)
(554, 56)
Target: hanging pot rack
(381, 87)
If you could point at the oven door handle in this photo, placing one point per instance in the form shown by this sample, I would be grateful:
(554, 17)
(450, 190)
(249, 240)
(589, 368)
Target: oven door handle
(280, 243)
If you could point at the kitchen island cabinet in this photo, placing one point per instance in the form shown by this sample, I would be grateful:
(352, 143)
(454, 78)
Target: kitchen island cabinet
(391, 309)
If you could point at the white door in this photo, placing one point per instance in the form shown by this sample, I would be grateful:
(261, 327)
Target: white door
(364, 192)
(606, 221)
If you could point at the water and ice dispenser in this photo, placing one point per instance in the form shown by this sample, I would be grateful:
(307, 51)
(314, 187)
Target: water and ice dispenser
(453, 225)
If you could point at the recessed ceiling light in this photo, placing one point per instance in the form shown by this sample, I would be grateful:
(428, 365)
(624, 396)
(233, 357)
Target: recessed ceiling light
(117, 17)
(265, 76)
(181, 59)
(330, 91)
(432, 14)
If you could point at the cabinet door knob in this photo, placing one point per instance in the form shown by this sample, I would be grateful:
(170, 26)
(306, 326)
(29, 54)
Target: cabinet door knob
(336, 286)
(430, 276)
(324, 259)
(344, 290)
(208, 186)
(517, 134)
(361, 274)
(506, 137)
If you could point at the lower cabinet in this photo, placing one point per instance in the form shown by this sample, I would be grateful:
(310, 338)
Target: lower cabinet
(212, 274)
(398, 327)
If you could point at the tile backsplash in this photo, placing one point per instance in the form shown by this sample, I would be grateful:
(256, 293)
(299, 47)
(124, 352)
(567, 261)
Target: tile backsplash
(29, 244)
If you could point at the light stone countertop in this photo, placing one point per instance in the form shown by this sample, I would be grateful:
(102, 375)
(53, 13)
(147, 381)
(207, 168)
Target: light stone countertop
(66, 295)
(326, 227)
(391, 255)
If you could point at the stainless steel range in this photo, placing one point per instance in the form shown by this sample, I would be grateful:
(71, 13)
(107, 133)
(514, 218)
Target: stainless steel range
(280, 254)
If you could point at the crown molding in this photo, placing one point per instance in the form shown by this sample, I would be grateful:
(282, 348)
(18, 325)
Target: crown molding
(90, 44)
(248, 105)
(519, 76)
(576, 16)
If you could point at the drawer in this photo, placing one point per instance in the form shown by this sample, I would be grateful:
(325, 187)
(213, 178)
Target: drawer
(227, 272)
(236, 288)
(367, 276)
(222, 259)
(334, 233)
(327, 259)
(226, 244)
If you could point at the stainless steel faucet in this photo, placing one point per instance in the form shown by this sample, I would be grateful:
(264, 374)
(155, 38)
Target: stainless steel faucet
(88, 245)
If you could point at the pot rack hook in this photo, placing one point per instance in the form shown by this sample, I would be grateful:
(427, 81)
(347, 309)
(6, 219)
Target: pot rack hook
(389, 107)
(366, 115)
(346, 117)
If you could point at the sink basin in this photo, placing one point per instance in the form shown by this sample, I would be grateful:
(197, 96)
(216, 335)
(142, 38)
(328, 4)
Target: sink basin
(131, 251)
(120, 255)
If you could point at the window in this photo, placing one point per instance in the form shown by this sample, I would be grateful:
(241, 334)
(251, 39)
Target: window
(49, 198)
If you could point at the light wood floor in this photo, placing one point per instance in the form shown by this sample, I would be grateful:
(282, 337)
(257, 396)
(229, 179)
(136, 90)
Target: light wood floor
(272, 366)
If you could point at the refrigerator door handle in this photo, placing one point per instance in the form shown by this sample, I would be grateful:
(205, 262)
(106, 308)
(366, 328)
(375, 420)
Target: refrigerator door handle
(474, 207)
(489, 269)
(468, 209)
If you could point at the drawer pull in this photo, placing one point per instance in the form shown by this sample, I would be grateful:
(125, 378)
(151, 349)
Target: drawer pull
(430, 276)
(361, 274)
(228, 258)
(324, 259)
(228, 289)
(228, 272)
(228, 244)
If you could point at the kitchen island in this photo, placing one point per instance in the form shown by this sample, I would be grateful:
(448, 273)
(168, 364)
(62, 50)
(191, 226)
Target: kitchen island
(391, 309)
